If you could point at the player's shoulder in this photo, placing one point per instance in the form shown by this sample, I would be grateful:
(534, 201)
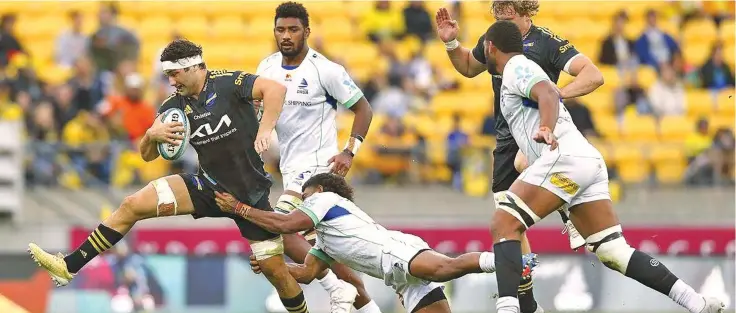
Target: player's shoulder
(548, 36)
(321, 62)
(271, 60)
(322, 199)
(228, 78)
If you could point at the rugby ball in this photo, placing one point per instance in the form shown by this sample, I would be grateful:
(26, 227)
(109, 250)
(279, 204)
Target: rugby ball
(169, 151)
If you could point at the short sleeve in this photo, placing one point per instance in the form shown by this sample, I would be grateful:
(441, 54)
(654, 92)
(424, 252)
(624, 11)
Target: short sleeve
(322, 255)
(244, 85)
(340, 86)
(479, 52)
(525, 75)
(170, 102)
(560, 50)
(317, 206)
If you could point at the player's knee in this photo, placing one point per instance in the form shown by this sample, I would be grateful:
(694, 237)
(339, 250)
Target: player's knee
(266, 249)
(288, 203)
(512, 215)
(131, 209)
(611, 248)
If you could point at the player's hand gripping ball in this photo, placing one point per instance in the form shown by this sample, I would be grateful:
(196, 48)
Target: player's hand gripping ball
(172, 134)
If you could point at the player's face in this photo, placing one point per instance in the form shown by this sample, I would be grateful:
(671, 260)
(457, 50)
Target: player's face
(491, 52)
(290, 35)
(310, 190)
(183, 80)
(509, 14)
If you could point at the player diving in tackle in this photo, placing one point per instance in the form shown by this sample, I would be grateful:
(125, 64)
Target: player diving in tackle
(564, 168)
(307, 135)
(228, 139)
(348, 235)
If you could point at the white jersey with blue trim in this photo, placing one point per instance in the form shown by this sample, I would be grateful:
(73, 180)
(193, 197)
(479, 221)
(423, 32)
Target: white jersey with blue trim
(307, 129)
(347, 234)
(522, 113)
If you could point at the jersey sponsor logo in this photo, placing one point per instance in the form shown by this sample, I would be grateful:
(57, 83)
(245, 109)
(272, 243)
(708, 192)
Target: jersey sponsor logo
(210, 102)
(239, 79)
(566, 184)
(201, 116)
(298, 103)
(188, 110)
(566, 47)
(213, 134)
(303, 87)
(288, 77)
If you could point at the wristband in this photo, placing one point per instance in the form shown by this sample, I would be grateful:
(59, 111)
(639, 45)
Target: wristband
(239, 209)
(452, 45)
(353, 144)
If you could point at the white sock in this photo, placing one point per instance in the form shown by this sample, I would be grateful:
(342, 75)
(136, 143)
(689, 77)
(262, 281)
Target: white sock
(507, 305)
(370, 307)
(330, 282)
(685, 296)
(487, 262)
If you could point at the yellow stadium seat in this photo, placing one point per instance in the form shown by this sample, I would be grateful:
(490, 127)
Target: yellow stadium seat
(479, 82)
(700, 32)
(437, 151)
(31, 30)
(675, 128)
(729, 54)
(360, 54)
(475, 104)
(639, 129)
(605, 150)
(259, 28)
(669, 163)
(719, 121)
(632, 167)
(259, 9)
(148, 9)
(699, 103)
(599, 102)
(217, 9)
(325, 12)
(471, 124)
(646, 76)
(194, 28)
(611, 76)
(695, 54)
(228, 27)
(726, 32)
(436, 54)
(446, 103)
(330, 32)
(155, 28)
(726, 102)
(608, 127)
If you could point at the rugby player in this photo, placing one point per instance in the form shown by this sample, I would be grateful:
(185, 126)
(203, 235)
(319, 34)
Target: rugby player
(228, 139)
(348, 235)
(307, 133)
(554, 55)
(564, 169)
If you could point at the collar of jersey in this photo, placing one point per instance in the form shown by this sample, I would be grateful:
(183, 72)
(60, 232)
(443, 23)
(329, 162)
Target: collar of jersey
(293, 67)
(203, 94)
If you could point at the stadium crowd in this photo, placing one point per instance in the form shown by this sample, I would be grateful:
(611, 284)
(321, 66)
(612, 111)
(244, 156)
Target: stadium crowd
(87, 91)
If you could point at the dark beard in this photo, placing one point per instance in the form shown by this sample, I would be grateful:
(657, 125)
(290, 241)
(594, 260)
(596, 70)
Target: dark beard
(292, 53)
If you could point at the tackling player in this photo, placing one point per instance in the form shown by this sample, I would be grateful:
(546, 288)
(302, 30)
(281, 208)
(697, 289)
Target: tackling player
(564, 169)
(348, 235)
(307, 133)
(554, 55)
(228, 139)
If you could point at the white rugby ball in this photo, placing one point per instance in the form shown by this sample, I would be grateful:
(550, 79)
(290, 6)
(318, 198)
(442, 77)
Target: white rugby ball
(169, 151)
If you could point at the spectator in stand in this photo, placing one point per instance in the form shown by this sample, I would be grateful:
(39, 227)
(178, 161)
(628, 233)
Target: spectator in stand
(696, 146)
(9, 44)
(129, 114)
(45, 133)
(457, 141)
(667, 94)
(382, 22)
(723, 156)
(111, 43)
(417, 21)
(631, 93)
(616, 49)
(71, 44)
(391, 99)
(89, 88)
(582, 118)
(715, 74)
(654, 46)
(64, 107)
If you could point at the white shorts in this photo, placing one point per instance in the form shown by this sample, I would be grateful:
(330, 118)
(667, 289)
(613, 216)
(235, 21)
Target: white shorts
(293, 181)
(575, 179)
(397, 254)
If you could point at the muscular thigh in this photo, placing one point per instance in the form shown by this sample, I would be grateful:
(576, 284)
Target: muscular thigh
(592, 217)
(165, 196)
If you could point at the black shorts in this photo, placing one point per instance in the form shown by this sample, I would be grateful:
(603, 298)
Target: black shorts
(202, 193)
(436, 295)
(504, 172)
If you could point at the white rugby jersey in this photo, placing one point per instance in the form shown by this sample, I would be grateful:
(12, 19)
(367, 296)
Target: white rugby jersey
(347, 234)
(307, 130)
(522, 113)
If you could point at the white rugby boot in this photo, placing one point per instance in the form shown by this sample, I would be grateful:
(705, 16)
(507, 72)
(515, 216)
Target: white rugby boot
(342, 297)
(713, 305)
(576, 240)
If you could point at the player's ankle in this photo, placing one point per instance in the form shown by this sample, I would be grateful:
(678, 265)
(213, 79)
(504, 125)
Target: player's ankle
(330, 281)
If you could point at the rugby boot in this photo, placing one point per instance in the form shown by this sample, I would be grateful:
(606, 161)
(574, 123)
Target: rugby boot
(53, 264)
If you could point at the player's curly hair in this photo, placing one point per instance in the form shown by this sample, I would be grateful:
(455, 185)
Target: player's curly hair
(292, 9)
(506, 36)
(179, 49)
(528, 8)
(331, 183)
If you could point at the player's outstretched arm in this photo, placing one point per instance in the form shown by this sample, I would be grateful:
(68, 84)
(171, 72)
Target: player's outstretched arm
(462, 58)
(587, 78)
(277, 223)
(307, 272)
(272, 93)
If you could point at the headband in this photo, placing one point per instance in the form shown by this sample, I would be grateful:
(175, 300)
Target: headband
(181, 63)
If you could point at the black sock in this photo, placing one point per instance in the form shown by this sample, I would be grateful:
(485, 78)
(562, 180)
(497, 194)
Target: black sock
(526, 295)
(508, 267)
(649, 272)
(101, 239)
(296, 304)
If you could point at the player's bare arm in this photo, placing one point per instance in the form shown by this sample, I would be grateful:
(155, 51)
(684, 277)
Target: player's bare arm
(545, 93)
(587, 78)
(342, 162)
(307, 272)
(272, 93)
(159, 132)
(274, 222)
(462, 58)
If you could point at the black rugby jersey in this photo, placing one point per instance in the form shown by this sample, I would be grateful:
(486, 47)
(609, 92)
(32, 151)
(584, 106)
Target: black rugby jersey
(548, 50)
(223, 127)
